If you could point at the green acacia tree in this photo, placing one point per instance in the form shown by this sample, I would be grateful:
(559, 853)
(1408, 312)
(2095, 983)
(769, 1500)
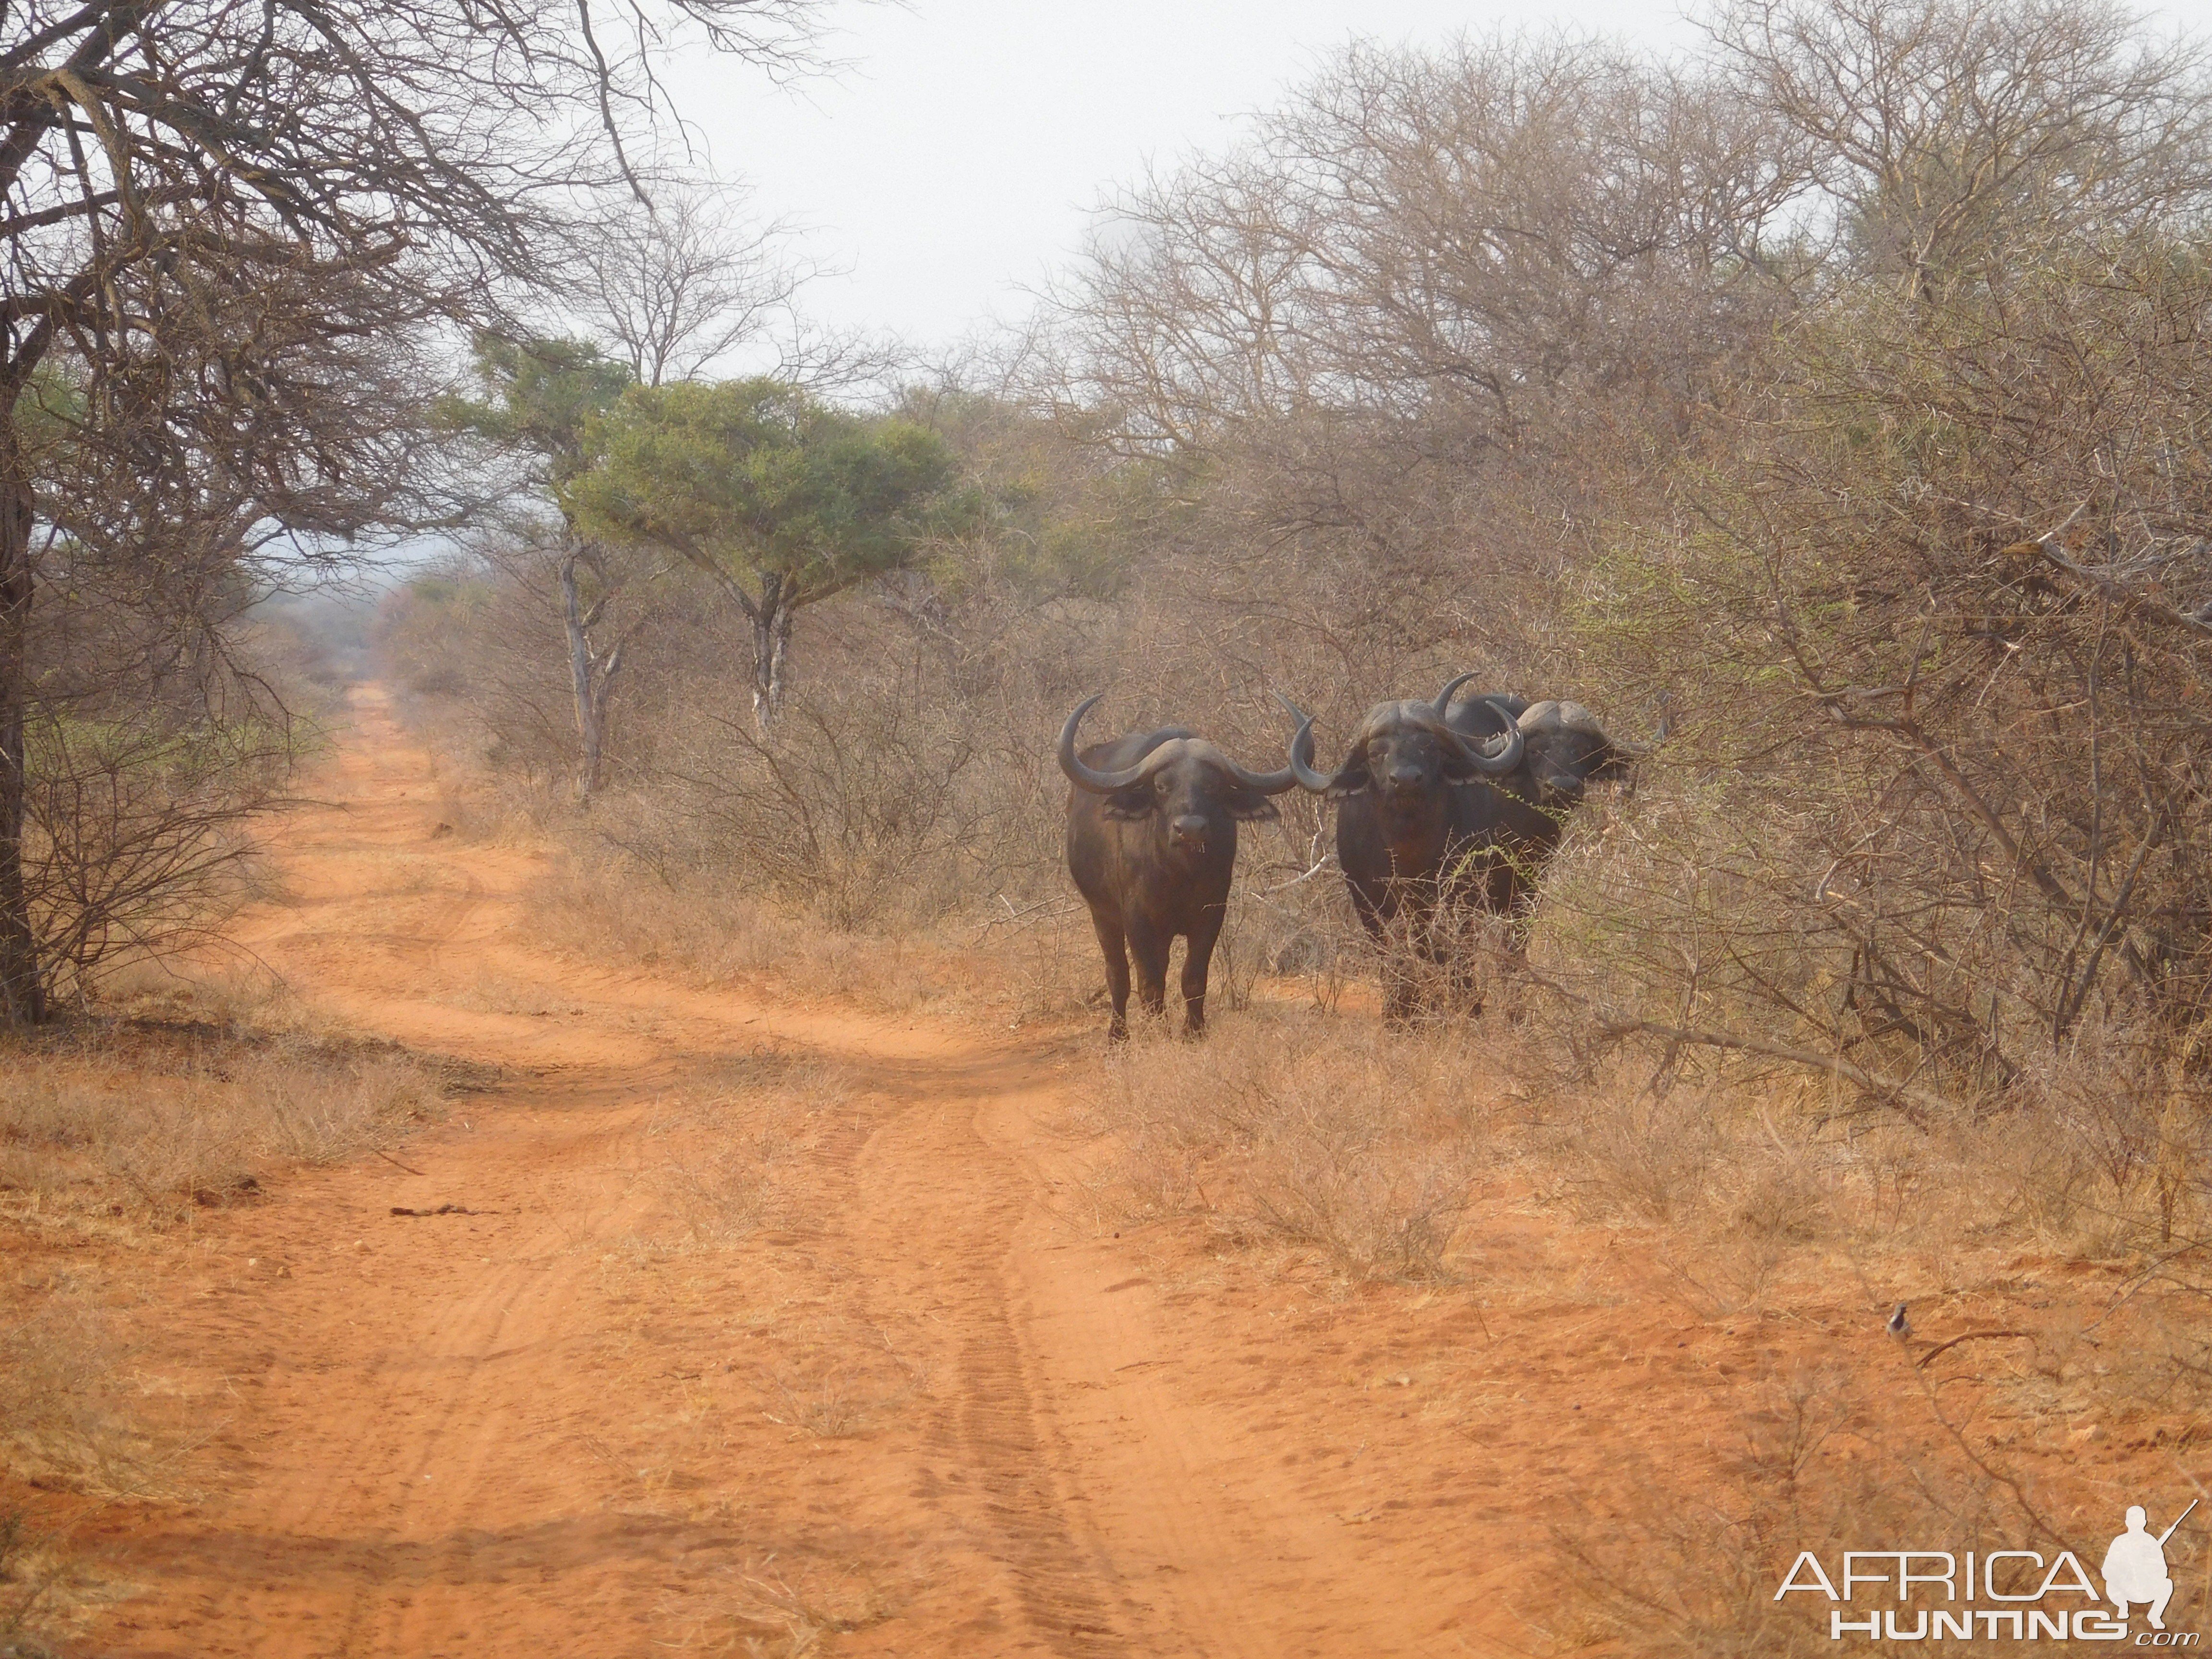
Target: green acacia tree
(538, 396)
(781, 499)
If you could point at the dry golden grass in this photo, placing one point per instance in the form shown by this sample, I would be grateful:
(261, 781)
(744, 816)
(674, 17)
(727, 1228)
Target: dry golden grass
(1035, 963)
(143, 1122)
(726, 1153)
(1292, 1125)
(1733, 1162)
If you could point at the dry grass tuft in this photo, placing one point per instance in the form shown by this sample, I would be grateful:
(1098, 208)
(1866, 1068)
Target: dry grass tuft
(1294, 1126)
(777, 1608)
(153, 1122)
(729, 1149)
(611, 908)
(840, 1402)
(68, 1416)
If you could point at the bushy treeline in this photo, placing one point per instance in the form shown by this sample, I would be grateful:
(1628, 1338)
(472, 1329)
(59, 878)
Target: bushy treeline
(1821, 407)
(239, 245)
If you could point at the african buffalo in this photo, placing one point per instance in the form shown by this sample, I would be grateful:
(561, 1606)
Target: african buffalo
(1152, 842)
(1440, 807)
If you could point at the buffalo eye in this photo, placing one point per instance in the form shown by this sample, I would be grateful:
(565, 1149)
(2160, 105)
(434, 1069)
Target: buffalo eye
(1161, 783)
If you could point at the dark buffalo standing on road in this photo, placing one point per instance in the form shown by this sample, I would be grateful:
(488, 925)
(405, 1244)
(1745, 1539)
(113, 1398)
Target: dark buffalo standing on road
(1152, 842)
(1452, 807)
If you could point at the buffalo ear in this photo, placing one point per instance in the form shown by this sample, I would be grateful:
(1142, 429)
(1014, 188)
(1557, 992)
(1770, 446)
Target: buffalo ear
(1352, 778)
(1248, 808)
(1124, 805)
(1612, 764)
(1457, 770)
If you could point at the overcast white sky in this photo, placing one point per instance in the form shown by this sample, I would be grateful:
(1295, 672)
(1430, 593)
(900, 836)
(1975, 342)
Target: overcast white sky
(955, 160)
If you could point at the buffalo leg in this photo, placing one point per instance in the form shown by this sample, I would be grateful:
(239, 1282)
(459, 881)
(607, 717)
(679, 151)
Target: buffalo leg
(1111, 946)
(1468, 980)
(1380, 917)
(1400, 989)
(1197, 963)
(1149, 946)
(1419, 961)
(1454, 952)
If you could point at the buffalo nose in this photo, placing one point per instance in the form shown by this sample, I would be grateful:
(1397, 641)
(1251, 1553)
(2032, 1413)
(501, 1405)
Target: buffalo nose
(1187, 829)
(1405, 777)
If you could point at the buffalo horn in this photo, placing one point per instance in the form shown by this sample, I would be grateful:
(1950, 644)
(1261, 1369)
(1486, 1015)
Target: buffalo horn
(1260, 783)
(1085, 777)
(1302, 751)
(1106, 783)
(1505, 760)
(1442, 704)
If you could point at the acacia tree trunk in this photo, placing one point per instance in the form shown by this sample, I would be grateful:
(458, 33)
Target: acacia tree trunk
(591, 678)
(771, 620)
(23, 989)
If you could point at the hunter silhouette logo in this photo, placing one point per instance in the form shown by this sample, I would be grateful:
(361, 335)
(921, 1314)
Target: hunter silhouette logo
(2135, 1566)
(2028, 1593)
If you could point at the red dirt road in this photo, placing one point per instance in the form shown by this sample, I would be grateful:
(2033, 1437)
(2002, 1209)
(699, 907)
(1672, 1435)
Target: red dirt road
(930, 1407)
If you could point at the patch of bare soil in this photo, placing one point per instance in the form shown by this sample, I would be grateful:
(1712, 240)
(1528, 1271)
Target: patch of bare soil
(776, 1328)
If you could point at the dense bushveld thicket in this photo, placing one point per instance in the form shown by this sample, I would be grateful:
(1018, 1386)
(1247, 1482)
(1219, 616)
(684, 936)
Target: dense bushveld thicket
(1821, 408)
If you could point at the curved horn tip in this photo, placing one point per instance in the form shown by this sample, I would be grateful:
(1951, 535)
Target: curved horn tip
(1478, 756)
(1068, 726)
(1083, 777)
(1442, 704)
(1301, 762)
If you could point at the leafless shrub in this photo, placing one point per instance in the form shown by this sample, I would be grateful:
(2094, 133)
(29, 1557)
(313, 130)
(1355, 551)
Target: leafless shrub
(41, 1586)
(1307, 1130)
(852, 801)
(1813, 1471)
(722, 1194)
(66, 1412)
(149, 757)
(1648, 1154)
